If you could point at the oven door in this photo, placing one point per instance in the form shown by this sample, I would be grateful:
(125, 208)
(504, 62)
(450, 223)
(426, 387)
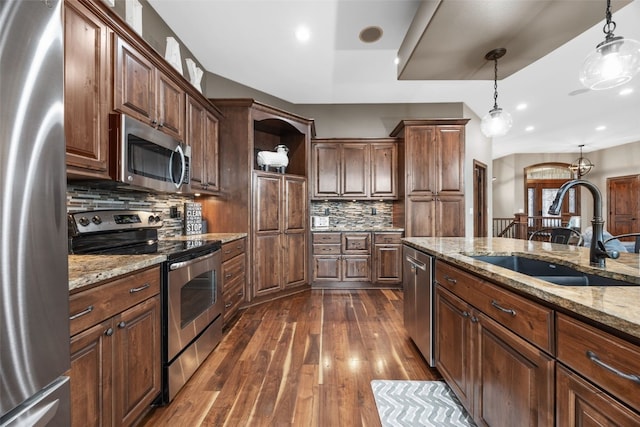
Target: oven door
(194, 299)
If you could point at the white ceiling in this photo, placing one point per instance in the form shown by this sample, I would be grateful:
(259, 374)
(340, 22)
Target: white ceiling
(252, 42)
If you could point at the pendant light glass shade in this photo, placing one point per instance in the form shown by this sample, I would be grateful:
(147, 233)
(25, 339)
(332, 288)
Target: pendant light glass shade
(496, 122)
(614, 62)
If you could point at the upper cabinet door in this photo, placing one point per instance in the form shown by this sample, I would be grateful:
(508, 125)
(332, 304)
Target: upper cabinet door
(355, 170)
(295, 200)
(326, 170)
(384, 173)
(450, 158)
(87, 77)
(134, 83)
(145, 93)
(170, 106)
(420, 160)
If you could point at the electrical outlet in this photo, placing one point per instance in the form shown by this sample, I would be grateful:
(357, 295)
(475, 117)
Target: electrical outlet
(374, 211)
(326, 211)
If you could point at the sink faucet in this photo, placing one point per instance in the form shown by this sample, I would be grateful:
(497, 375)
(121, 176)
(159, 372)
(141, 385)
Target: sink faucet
(597, 251)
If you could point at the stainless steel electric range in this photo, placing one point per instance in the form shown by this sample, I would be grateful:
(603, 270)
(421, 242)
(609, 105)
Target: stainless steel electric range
(191, 293)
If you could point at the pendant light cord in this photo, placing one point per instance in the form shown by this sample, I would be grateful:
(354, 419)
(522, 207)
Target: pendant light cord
(495, 84)
(609, 26)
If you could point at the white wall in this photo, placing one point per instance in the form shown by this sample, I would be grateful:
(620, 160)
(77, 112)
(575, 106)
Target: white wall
(478, 147)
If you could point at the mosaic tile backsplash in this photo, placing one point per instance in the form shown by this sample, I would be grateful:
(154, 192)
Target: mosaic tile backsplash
(85, 198)
(341, 213)
(355, 214)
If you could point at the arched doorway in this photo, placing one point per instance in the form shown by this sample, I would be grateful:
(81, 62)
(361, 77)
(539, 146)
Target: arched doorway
(542, 182)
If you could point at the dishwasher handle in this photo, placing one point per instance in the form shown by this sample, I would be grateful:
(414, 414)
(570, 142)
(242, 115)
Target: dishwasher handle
(415, 263)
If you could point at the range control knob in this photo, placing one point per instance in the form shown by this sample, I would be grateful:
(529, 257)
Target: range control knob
(152, 219)
(158, 219)
(84, 221)
(96, 220)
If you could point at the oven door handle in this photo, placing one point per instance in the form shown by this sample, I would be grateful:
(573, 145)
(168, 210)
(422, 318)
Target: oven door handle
(182, 264)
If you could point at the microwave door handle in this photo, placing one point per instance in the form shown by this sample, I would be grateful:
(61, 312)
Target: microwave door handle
(182, 169)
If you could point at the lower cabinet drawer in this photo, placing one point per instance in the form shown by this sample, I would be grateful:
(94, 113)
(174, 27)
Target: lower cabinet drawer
(233, 296)
(91, 306)
(610, 362)
(326, 249)
(233, 248)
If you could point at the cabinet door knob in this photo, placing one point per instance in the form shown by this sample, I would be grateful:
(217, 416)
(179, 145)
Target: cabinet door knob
(109, 332)
(122, 325)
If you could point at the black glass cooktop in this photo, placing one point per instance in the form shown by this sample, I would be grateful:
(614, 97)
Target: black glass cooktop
(139, 242)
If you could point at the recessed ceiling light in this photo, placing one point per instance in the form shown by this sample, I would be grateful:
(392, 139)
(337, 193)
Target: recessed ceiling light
(626, 91)
(303, 34)
(529, 128)
(521, 107)
(370, 34)
(601, 128)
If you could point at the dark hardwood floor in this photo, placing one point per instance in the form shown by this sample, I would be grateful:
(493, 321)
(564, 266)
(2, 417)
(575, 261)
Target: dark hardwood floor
(304, 360)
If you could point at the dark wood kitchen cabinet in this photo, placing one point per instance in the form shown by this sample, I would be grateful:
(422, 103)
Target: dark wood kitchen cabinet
(115, 350)
(432, 177)
(87, 85)
(202, 136)
(354, 169)
(280, 219)
(597, 380)
(144, 92)
(233, 277)
(341, 257)
(387, 258)
(268, 206)
(489, 348)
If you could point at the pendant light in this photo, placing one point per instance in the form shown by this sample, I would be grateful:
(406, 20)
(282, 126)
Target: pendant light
(614, 62)
(496, 122)
(581, 166)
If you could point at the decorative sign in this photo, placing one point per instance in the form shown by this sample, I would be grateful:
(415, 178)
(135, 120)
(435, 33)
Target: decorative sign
(172, 54)
(192, 218)
(195, 74)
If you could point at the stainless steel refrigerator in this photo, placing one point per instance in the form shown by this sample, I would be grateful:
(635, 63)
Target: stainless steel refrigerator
(34, 322)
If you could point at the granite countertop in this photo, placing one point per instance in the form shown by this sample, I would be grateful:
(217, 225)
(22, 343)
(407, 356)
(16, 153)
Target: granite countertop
(356, 229)
(87, 270)
(613, 306)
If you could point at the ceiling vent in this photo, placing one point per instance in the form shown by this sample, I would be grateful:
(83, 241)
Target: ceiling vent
(371, 34)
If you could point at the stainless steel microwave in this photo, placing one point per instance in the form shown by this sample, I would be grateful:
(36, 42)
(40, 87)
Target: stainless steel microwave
(148, 158)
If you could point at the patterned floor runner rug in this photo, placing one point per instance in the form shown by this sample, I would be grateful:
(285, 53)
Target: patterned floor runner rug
(418, 403)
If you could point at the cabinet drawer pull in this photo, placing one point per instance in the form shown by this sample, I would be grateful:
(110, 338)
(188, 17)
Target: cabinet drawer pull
(82, 313)
(450, 279)
(504, 310)
(240, 294)
(109, 332)
(227, 305)
(138, 289)
(228, 251)
(594, 358)
(239, 247)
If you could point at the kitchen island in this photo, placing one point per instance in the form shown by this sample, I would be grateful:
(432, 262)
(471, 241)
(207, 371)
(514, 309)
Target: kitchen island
(613, 306)
(519, 350)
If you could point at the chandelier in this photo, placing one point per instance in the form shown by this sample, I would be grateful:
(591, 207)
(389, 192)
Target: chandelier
(496, 122)
(581, 166)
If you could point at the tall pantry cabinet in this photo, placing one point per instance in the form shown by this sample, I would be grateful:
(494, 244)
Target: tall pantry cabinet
(272, 208)
(431, 177)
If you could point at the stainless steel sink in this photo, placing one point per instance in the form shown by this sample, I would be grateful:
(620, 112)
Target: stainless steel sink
(554, 273)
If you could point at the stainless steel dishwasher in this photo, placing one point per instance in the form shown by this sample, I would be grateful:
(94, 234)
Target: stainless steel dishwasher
(417, 276)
